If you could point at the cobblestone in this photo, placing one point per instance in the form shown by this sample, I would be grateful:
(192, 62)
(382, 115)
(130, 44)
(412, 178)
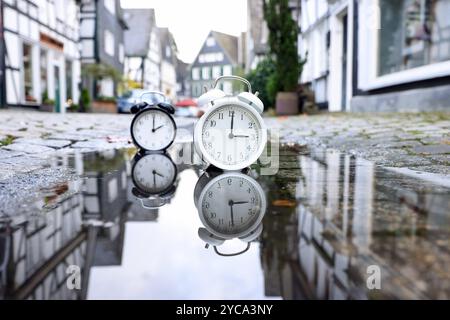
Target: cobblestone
(30, 139)
(420, 141)
(417, 141)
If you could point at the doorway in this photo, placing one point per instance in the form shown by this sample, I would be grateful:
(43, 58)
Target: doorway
(57, 90)
(344, 62)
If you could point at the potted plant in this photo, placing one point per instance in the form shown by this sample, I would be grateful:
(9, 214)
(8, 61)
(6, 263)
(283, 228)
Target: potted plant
(47, 104)
(104, 104)
(259, 79)
(283, 33)
(85, 101)
(99, 72)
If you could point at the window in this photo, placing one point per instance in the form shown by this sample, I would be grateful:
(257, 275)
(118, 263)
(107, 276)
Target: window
(121, 53)
(227, 70)
(227, 87)
(413, 33)
(205, 73)
(210, 42)
(43, 71)
(216, 72)
(110, 5)
(195, 74)
(28, 73)
(109, 43)
(219, 57)
(210, 57)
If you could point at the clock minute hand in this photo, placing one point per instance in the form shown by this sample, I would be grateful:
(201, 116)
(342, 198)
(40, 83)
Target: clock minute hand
(241, 136)
(231, 204)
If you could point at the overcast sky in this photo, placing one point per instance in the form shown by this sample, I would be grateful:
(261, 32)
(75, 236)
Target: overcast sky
(190, 21)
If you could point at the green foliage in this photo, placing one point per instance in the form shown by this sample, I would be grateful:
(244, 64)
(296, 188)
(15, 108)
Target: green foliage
(105, 99)
(283, 33)
(259, 78)
(45, 100)
(100, 71)
(74, 107)
(7, 140)
(85, 100)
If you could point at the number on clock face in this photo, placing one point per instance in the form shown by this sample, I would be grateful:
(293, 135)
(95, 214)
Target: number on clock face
(153, 130)
(231, 135)
(154, 173)
(231, 205)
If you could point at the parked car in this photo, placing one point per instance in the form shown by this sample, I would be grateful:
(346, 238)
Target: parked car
(129, 98)
(187, 108)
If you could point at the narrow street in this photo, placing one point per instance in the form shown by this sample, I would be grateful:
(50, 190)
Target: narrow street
(363, 188)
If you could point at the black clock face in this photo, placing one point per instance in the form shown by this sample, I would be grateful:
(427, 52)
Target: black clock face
(154, 173)
(153, 129)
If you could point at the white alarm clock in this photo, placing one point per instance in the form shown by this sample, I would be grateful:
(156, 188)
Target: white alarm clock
(230, 205)
(153, 127)
(154, 179)
(231, 135)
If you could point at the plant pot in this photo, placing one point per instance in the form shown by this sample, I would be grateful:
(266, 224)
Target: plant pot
(104, 107)
(286, 103)
(47, 107)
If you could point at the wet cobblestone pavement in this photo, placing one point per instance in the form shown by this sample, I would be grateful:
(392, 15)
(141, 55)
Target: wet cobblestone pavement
(71, 194)
(420, 142)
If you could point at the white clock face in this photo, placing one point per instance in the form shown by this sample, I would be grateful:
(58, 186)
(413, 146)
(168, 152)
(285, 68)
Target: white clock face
(154, 173)
(231, 205)
(153, 130)
(232, 135)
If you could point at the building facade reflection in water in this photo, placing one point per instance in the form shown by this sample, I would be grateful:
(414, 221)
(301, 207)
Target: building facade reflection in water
(82, 225)
(347, 216)
(329, 216)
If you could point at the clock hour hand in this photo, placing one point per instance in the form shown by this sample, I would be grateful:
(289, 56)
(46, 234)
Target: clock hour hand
(158, 128)
(158, 174)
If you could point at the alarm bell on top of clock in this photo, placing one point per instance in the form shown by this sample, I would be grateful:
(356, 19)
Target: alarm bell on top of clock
(231, 135)
(230, 205)
(153, 127)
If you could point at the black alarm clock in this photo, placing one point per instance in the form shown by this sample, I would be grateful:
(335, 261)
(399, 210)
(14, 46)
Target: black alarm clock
(154, 177)
(153, 127)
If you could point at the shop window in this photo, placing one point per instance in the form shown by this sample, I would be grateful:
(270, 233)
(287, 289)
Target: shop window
(28, 73)
(43, 70)
(413, 33)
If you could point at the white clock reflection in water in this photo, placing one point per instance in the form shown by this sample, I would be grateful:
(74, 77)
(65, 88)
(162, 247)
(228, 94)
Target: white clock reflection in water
(154, 175)
(230, 205)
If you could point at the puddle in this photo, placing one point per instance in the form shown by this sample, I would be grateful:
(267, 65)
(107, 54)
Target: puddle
(312, 231)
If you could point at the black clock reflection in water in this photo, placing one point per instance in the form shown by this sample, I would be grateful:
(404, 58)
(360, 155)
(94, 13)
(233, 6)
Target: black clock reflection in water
(154, 177)
(230, 205)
